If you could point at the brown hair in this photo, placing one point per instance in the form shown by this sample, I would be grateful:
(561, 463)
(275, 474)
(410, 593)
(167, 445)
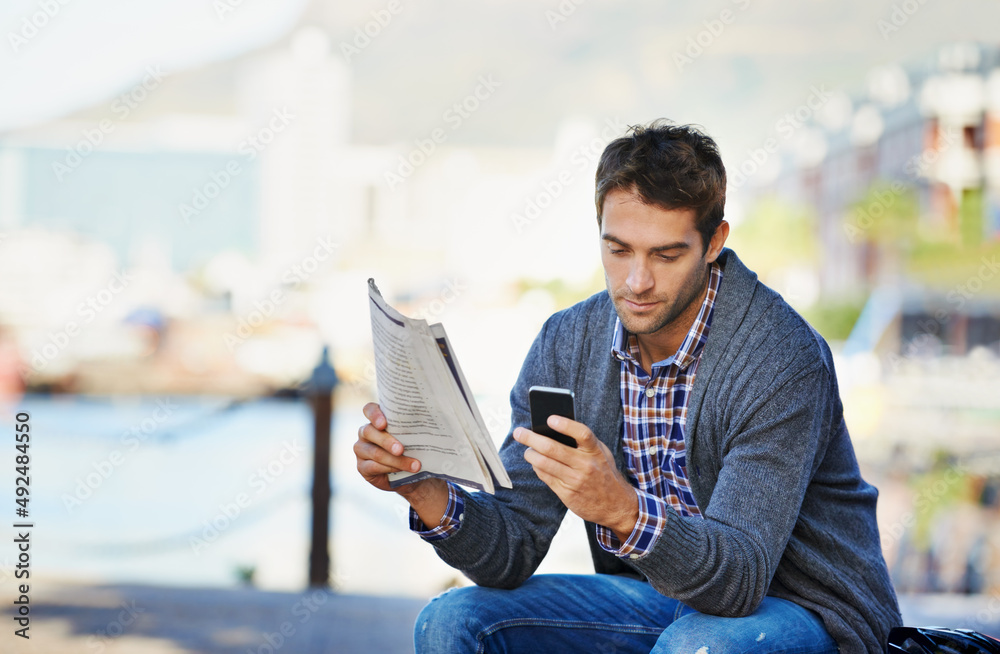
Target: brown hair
(670, 166)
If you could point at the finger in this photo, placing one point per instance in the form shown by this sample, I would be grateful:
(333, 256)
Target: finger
(369, 452)
(366, 450)
(550, 447)
(543, 444)
(370, 469)
(375, 416)
(381, 438)
(546, 464)
(386, 444)
(585, 439)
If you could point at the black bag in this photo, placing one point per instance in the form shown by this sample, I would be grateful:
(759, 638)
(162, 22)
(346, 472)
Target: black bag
(940, 640)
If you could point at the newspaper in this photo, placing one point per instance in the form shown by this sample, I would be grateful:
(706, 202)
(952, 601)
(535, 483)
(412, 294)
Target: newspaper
(427, 402)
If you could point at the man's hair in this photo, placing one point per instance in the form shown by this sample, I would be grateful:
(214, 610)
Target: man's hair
(670, 166)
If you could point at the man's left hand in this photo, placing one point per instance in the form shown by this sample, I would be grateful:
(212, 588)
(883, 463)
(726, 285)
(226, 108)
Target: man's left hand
(585, 478)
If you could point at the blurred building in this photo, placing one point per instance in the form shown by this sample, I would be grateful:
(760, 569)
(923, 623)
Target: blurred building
(913, 157)
(218, 186)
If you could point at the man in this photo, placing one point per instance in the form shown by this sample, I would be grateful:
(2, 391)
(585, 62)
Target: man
(722, 498)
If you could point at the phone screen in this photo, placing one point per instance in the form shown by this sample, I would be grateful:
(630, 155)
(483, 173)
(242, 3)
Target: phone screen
(544, 402)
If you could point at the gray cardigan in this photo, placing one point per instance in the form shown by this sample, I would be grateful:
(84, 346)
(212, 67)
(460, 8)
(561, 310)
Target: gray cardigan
(771, 465)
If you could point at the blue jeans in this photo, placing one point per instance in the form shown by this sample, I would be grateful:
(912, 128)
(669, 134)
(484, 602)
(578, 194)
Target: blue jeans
(606, 614)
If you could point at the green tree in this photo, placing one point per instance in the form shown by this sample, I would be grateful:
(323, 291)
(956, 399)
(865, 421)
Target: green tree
(886, 215)
(776, 235)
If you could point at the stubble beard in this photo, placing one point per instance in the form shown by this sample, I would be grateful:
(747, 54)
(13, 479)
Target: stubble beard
(667, 311)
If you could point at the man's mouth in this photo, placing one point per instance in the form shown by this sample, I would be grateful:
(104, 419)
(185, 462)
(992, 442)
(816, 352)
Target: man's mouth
(639, 306)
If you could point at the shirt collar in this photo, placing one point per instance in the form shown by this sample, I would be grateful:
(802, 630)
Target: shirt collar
(625, 346)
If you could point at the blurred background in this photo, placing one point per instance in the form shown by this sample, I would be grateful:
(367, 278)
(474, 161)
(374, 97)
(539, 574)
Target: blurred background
(193, 194)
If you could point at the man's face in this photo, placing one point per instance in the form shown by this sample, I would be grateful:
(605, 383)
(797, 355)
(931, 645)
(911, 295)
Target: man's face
(653, 264)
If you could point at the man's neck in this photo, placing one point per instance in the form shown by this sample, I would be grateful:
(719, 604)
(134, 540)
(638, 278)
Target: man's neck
(653, 348)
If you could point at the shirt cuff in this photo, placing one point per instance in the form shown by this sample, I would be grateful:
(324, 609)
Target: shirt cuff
(450, 521)
(652, 519)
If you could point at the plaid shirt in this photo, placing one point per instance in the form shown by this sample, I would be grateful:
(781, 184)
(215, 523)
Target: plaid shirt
(655, 407)
(450, 521)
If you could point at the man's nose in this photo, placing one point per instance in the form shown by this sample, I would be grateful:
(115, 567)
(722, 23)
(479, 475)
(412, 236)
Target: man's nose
(640, 279)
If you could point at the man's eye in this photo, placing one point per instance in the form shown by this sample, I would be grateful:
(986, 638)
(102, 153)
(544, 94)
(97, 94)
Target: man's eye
(664, 257)
(614, 251)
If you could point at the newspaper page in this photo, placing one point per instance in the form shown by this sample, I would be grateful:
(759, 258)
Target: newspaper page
(427, 404)
(477, 429)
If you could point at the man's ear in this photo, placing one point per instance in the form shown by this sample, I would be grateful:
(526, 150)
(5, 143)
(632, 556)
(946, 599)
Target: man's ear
(718, 242)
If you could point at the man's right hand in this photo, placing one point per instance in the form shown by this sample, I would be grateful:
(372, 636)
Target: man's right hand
(379, 453)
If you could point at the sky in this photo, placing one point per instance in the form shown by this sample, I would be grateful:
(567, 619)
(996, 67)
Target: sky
(61, 56)
(733, 66)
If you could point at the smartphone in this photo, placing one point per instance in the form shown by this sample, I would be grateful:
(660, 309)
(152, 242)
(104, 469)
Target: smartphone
(544, 402)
